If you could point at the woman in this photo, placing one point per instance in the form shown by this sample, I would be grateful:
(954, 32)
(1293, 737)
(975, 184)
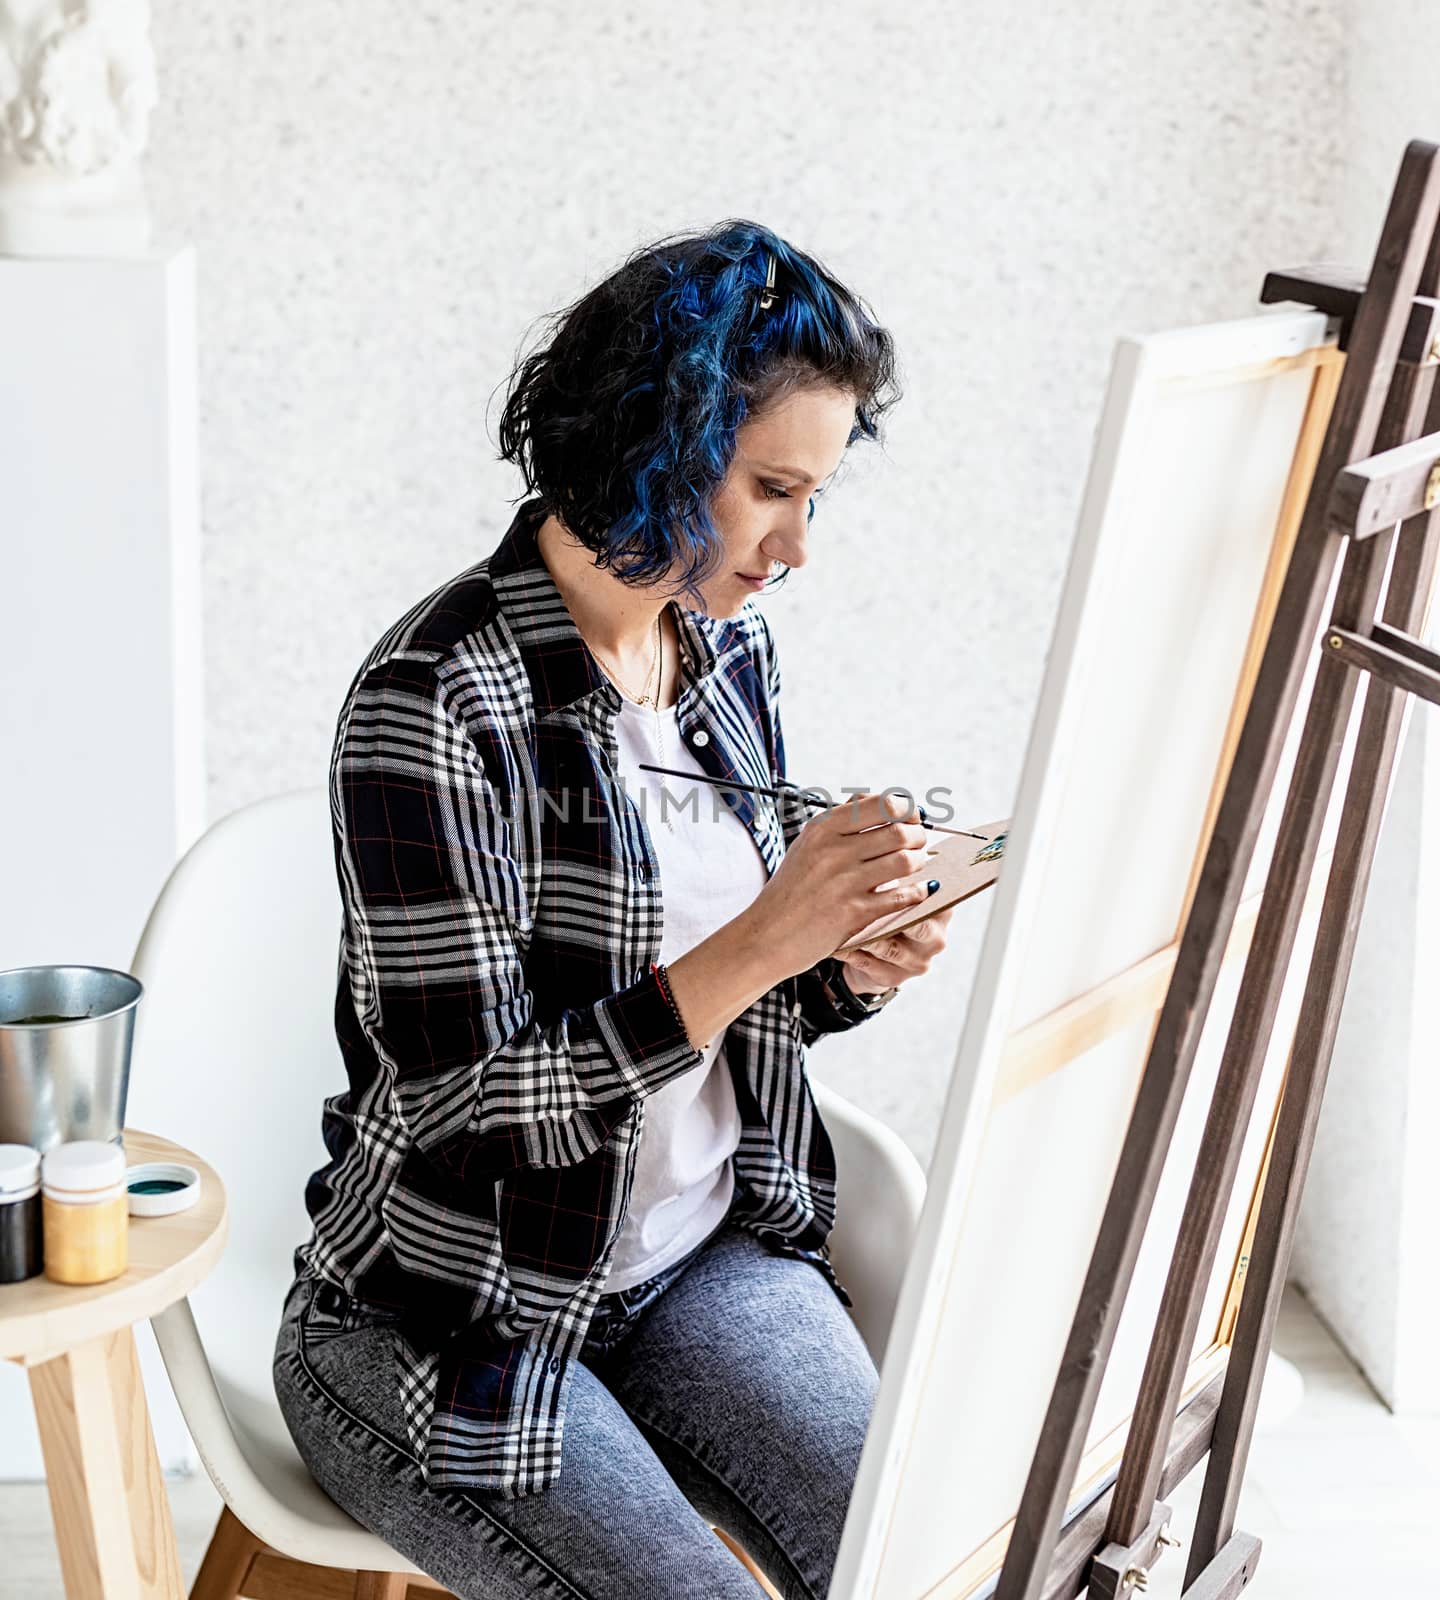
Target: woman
(499, 1260)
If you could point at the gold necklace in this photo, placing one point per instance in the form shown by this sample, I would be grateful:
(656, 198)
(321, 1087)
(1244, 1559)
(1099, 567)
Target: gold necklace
(643, 699)
(658, 673)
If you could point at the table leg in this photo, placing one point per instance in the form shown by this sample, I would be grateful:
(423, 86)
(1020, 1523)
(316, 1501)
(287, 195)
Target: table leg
(112, 1515)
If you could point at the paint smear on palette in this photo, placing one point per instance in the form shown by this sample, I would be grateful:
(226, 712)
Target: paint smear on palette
(992, 851)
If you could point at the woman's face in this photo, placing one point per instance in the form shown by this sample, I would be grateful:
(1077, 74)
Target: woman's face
(783, 456)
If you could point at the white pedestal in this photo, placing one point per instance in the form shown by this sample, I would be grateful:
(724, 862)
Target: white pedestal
(102, 779)
(1365, 1246)
(100, 606)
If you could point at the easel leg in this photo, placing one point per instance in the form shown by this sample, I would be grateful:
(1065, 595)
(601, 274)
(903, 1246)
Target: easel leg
(1229, 1572)
(1375, 753)
(112, 1516)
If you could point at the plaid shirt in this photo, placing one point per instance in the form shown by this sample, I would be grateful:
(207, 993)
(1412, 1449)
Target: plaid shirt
(499, 1022)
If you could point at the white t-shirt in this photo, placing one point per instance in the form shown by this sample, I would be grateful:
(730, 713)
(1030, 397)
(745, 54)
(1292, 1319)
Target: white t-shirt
(710, 871)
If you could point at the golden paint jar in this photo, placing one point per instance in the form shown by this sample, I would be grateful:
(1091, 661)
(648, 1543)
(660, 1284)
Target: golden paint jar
(85, 1212)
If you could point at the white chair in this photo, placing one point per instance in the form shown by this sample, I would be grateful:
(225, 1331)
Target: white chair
(234, 1051)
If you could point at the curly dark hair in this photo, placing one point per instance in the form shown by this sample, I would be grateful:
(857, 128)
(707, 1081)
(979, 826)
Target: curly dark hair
(623, 420)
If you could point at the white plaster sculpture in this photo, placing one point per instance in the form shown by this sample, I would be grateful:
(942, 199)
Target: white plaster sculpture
(77, 85)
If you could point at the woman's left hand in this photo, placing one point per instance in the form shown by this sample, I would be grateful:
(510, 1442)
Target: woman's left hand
(898, 956)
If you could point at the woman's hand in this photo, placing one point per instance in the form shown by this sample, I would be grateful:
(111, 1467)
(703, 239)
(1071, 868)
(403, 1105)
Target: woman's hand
(896, 957)
(849, 866)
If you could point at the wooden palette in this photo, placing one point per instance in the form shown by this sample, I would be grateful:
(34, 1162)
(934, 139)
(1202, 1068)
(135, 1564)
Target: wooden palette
(960, 874)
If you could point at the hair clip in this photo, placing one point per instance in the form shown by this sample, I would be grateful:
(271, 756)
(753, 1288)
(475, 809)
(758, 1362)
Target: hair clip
(768, 298)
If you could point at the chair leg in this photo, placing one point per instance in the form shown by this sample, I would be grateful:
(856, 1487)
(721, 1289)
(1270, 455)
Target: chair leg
(381, 1585)
(232, 1548)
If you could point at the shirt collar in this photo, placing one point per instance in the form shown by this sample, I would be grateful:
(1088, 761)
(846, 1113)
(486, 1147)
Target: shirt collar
(557, 660)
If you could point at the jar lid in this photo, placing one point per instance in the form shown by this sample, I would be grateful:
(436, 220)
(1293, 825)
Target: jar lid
(82, 1166)
(160, 1188)
(19, 1171)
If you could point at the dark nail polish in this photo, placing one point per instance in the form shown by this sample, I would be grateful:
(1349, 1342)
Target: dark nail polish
(931, 887)
(924, 815)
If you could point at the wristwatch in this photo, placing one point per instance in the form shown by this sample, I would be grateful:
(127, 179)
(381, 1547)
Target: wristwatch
(853, 1007)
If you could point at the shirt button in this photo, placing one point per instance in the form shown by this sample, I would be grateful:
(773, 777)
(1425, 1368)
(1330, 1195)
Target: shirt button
(555, 1364)
(700, 737)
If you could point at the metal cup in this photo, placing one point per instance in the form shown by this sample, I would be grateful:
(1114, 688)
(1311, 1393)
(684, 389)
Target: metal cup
(65, 1038)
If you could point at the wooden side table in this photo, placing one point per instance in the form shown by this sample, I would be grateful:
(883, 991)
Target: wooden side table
(112, 1516)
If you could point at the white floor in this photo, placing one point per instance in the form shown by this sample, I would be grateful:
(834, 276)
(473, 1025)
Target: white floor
(1345, 1497)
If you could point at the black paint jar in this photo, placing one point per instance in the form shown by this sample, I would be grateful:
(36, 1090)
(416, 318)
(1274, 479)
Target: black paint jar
(21, 1255)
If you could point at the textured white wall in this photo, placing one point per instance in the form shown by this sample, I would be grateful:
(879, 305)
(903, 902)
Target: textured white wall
(1365, 1246)
(384, 198)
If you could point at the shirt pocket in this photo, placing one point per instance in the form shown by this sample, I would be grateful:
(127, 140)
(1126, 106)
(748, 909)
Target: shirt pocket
(448, 1245)
(557, 1223)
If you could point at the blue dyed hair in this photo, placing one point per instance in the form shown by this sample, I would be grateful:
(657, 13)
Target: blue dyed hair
(624, 419)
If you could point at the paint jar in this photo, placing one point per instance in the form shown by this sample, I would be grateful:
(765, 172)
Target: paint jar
(20, 1247)
(86, 1212)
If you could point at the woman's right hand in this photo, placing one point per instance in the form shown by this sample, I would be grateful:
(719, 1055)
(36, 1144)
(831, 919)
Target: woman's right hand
(823, 892)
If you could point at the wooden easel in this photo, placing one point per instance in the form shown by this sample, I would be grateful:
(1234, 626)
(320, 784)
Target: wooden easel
(1388, 402)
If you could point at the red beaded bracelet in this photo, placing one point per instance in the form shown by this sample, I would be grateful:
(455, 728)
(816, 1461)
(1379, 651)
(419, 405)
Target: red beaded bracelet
(662, 978)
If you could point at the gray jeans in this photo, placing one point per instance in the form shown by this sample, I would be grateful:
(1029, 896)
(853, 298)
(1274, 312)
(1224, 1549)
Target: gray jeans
(731, 1391)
